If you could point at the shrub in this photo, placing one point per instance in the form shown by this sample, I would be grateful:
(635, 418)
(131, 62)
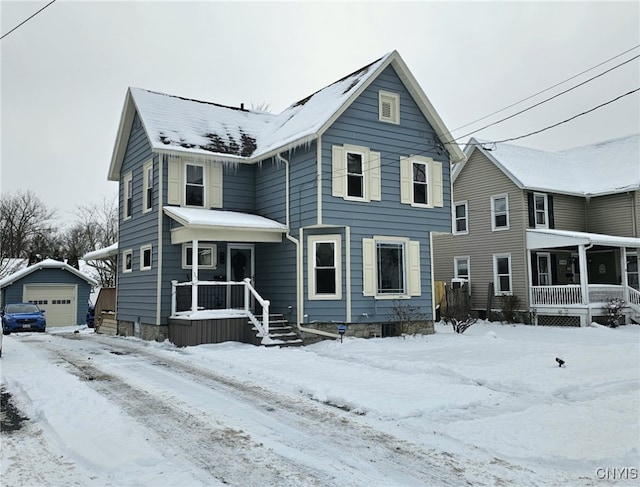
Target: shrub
(509, 308)
(613, 310)
(458, 312)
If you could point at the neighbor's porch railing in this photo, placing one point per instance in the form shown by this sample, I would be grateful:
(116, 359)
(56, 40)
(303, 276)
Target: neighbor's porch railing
(571, 295)
(220, 296)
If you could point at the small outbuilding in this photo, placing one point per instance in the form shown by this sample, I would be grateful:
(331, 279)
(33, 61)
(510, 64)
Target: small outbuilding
(57, 288)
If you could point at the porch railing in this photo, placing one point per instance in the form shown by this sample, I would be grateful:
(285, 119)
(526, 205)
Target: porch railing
(634, 298)
(572, 294)
(556, 295)
(219, 296)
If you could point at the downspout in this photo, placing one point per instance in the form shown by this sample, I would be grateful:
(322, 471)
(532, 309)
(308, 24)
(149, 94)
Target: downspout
(159, 246)
(299, 259)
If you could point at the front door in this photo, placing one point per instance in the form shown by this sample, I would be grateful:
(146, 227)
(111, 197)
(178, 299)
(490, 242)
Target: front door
(240, 265)
(544, 269)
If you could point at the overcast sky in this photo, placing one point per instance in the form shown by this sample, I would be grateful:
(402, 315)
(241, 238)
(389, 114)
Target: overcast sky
(66, 71)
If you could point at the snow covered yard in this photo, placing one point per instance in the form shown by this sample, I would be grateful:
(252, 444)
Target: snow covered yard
(492, 400)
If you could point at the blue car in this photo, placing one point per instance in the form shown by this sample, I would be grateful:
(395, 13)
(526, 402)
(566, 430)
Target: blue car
(22, 317)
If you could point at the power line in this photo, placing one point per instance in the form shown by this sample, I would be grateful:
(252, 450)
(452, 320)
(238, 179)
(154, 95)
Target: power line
(26, 20)
(551, 98)
(543, 91)
(568, 119)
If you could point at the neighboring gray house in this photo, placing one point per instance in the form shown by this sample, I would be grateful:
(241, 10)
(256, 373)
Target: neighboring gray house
(321, 214)
(561, 231)
(57, 288)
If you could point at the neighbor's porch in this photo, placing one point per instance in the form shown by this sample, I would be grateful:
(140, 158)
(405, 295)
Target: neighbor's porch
(572, 275)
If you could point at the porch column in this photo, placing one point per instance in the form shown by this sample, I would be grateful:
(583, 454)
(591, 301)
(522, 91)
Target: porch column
(530, 279)
(623, 273)
(194, 276)
(584, 276)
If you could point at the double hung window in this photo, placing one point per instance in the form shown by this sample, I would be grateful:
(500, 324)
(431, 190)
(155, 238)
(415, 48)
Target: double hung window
(502, 274)
(500, 212)
(194, 185)
(325, 267)
(460, 218)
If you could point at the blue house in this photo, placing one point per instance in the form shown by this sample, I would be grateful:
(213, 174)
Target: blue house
(57, 288)
(320, 215)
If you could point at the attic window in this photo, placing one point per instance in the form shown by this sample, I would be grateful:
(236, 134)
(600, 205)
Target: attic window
(389, 107)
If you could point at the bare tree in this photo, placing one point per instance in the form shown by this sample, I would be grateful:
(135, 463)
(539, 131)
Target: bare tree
(26, 227)
(96, 228)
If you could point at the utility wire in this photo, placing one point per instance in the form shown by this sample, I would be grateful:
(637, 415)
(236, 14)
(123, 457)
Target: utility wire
(550, 98)
(437, 146)
(26, 20)
(543, 91)
(567, 120)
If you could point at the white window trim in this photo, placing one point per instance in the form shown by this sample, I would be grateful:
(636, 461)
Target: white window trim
(435, 193)
(548, 274)
(143, 249)
(394, 100)
(496, 277)
(546, 211)
(201, 246)
(311, 282)
(127, 206)
(364, 167)
(204, 184)
(147, 184)
(427, 183)
(466, 218)
(371, 171)
(411, 272)
(124, 261)
(493, 212)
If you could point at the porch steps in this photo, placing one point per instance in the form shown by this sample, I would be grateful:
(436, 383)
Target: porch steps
(282, 333)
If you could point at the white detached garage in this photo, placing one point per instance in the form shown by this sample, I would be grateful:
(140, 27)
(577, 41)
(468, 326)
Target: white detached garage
(59, 289)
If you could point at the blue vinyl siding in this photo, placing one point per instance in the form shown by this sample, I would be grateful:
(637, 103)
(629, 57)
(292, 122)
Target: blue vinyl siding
(260, 188)
(14, 292)
(136, 293)
(239, 186)
(359, 125)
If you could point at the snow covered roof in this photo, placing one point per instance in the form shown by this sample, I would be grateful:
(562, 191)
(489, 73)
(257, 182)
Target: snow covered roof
(45, 264)
(101, 254)
(221, 218)
(220, 225)
(179, 125)
(548, 238)
(607, 167)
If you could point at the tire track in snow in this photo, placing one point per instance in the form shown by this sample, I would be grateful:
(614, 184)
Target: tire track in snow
(290, 441)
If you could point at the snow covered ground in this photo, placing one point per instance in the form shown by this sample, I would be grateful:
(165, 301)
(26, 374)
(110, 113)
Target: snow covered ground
(489, 407)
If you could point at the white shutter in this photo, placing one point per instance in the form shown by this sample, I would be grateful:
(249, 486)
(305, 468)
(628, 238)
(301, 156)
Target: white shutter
(415, 288)
(406, 180)
(174, 181)
(436, 183)
(375, 189)
(368, 267)
(215, 185)
(338, 171)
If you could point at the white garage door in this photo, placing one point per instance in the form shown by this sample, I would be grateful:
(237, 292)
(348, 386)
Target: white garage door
(59, 302)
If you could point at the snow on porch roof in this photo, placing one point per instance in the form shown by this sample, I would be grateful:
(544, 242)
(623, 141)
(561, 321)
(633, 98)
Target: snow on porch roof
(197, 217)
(102, 254)
(546, 238)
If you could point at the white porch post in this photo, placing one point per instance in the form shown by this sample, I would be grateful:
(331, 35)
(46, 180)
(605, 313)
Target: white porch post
(623, 272)
(584, 280)
(530, 271)
(194, 276)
